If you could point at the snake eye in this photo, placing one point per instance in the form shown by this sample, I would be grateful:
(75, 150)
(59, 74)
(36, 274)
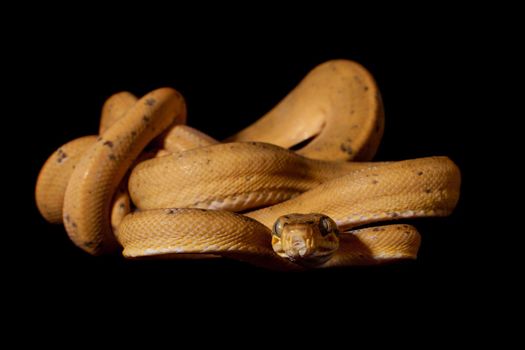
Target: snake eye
(278, 228)
(326, 225)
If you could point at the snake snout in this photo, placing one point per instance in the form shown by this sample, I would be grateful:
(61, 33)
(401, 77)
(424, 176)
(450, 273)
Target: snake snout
(298, 246)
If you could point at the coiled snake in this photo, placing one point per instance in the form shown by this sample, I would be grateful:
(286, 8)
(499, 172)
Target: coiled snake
(298, 209)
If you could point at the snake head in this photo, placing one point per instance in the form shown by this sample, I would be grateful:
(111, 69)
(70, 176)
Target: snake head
(306, 239)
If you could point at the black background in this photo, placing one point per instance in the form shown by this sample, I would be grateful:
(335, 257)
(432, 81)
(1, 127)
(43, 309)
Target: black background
(229, 81)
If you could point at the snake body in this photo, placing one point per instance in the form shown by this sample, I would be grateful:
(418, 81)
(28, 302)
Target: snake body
(257, 174)
(96, 176)
(338, 103)
(187, 192)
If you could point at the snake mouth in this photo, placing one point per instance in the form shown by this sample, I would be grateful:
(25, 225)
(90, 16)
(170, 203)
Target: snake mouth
(308, 259)
(306, 251)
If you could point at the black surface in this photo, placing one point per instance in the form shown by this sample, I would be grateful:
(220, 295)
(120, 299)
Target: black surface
(227, 86)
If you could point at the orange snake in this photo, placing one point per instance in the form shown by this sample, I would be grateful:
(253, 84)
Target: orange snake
(338, 106)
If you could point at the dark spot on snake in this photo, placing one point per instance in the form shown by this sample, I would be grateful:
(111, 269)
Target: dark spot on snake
(419, 173)
(74, 224)
(99, 138)
(355, 126)
(108, 143)
(394, 215)
(377, 229)
(399, 228)
(133, 133)
(171, 211)
(150, 102)
(67, 218)
(208, 161)
(352, 112)
(122, 206)
(145, 119)
(112, 157)
(345, 147)
(407, 233)
(428, 190)
(61, 155)
(375, 182)
(366, 88)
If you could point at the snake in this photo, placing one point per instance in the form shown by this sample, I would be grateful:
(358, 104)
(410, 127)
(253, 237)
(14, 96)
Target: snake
(289, 192)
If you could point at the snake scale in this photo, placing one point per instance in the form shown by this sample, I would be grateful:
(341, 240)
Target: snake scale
(150, 186)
